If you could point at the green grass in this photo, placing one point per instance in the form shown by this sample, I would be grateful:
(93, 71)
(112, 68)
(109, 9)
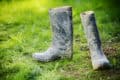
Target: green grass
(25, 29)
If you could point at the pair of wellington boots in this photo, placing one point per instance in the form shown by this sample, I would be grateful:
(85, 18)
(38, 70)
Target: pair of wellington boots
(62, 41)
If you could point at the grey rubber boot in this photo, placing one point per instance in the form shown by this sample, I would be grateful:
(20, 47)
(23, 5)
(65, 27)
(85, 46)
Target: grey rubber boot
(62, 42)
(99, 60)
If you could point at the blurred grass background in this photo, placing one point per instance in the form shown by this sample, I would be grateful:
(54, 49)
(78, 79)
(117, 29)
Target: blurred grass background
(25, 29)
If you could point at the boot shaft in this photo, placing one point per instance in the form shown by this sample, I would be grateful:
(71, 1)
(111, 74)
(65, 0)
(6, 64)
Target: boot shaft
(91, 31)
(61, 22)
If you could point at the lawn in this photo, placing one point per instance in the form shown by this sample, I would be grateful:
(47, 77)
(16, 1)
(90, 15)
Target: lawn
(25, 29)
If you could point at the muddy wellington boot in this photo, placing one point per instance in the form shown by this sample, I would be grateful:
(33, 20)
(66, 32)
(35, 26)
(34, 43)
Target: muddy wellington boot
(62, 42)
(99, 60)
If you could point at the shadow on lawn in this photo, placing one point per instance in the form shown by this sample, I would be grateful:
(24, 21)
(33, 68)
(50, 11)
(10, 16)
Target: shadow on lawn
(113, 53)
(114, 72)
(110, 74)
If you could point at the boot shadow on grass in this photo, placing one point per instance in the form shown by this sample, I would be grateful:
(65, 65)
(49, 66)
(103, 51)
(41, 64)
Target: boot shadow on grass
(114, 72)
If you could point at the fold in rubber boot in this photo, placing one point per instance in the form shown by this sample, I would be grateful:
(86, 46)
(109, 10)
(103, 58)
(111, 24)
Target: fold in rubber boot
(99, 60)
(61, 22)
